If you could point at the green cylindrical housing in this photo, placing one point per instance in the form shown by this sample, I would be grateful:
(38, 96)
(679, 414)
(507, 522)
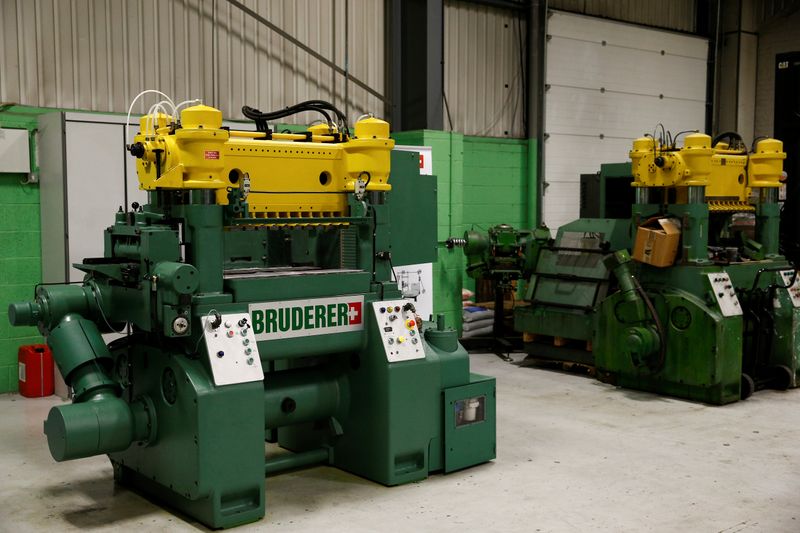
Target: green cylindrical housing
(24, 313)
(619, 264)
(179, 277)
(127, 249)
(640, 343)
(53, 302)
(476, 246)
(103, 424)
(302, 395)
(98, 422)
(445, 339)
(80, 353)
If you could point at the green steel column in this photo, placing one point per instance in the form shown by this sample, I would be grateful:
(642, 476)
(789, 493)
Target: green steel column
(694, 226)
(768, 214)
(205, 235)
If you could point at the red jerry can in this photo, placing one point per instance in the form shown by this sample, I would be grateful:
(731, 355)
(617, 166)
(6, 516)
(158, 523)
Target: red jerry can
(36, 371)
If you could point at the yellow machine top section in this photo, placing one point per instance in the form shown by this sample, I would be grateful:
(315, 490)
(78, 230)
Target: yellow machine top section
(728, 175)
(289, 175)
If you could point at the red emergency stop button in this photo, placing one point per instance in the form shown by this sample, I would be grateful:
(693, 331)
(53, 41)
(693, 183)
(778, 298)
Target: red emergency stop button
(410, 323)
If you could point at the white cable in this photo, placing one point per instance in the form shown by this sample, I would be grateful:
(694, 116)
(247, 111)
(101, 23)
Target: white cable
(152, 116)
(95, 291)
(149, 119)
(180, 105)
(202, 335)
(130, 109)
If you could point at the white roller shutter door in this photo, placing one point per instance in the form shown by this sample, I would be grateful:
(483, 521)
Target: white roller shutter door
(607, 84)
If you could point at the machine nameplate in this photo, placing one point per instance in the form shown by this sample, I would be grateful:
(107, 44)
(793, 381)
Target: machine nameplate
(232, 350)
(725, 293)
(794, 289)
(400, 333)
(304, 318)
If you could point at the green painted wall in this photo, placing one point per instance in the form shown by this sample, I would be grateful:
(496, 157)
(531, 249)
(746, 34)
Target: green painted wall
(482, 181)
(20, 252)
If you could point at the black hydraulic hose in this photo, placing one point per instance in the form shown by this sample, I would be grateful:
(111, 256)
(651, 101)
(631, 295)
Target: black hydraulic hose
(662, 338)
(290, 111)
(675, 139)
(731, 135)
(261, 119)
(775, 269)
(309, 105)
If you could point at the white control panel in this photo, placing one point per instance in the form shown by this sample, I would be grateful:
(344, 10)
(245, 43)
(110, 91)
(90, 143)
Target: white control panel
(399, 331)
(232, 350)
(725, 293)
(794, 288)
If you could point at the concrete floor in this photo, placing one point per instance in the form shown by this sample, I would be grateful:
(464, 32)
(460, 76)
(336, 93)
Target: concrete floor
(573, 455)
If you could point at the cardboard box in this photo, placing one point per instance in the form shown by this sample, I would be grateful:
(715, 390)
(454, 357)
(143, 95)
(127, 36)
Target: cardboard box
(657, 242)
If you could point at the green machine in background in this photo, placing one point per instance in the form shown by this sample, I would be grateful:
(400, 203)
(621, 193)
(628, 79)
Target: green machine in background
(713, 322)
(503, 255)
(258, 293)
(717, 320)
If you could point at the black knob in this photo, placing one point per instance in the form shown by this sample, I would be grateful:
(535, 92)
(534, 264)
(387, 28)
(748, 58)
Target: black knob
(659, 161)
(136, 150)
(216, 321)
(242, 322)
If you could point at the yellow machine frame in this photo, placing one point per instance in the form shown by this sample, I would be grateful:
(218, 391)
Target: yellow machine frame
(289, 174)
(729, 176)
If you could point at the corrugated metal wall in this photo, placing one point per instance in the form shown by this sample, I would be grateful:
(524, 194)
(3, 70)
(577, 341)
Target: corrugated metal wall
(98, 54)
(676, 15)
(483, 79)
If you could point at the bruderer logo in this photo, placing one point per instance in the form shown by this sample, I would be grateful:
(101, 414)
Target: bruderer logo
(302, 318)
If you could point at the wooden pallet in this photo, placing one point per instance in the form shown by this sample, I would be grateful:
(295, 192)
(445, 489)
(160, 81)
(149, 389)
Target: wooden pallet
(557, 341)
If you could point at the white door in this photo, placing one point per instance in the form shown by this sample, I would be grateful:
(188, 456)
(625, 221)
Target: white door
(608, 83)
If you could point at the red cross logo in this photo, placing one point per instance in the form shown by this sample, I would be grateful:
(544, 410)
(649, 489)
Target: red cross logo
(354, 313)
